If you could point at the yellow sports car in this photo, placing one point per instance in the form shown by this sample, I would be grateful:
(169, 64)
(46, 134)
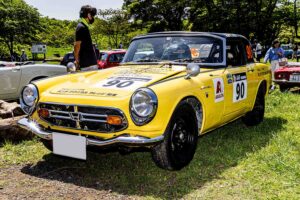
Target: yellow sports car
(183, 85)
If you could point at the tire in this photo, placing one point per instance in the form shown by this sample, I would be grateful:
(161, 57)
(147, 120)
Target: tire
(180, 142)
(47, 144)
(283, 88)
(256, 116)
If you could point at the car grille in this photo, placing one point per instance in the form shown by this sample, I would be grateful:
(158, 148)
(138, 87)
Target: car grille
(83, 117)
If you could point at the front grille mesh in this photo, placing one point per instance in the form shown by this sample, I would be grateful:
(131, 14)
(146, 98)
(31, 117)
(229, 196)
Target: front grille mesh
(83, 117)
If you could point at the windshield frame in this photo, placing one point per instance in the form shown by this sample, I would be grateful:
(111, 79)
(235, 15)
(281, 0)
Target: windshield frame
(223, 41)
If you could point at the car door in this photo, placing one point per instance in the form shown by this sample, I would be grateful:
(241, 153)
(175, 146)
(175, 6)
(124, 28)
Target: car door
(9, 81)
(236, 79)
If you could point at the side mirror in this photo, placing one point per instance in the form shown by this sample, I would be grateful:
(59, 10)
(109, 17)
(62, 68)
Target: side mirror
(71, 67)
(192, 70)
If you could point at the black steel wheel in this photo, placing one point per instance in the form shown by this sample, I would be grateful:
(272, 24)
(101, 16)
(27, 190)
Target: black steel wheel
(256, 116)
(180, 142)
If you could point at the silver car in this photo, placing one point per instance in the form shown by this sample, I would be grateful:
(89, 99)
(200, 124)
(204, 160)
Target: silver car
(14, 76)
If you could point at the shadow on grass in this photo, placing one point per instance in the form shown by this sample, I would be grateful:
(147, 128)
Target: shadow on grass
(14, 135)
(136, 174)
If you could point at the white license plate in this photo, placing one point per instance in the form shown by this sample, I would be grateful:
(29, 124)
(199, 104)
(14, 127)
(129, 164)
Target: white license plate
(69, 145)
(295, 78)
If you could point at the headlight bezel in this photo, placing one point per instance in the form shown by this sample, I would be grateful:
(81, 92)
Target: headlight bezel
(26, 107)
(138, 119)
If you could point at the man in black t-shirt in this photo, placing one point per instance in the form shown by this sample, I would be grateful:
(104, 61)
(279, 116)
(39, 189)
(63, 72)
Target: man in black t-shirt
(85, 56)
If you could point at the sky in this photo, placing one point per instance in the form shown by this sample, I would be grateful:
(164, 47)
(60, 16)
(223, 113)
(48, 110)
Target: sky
(69, 9)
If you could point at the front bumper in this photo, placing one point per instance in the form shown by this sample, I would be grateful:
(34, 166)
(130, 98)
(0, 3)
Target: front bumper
(123, 140)
(281, 81)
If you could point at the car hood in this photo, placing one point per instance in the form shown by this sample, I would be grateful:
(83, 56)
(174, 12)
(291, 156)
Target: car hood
(114, 82)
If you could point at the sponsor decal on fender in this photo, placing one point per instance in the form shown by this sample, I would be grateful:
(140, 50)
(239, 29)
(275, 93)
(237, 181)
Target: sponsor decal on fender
(219, 89)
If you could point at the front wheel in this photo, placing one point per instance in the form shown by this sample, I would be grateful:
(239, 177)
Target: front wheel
(256, 116)
(180, 142)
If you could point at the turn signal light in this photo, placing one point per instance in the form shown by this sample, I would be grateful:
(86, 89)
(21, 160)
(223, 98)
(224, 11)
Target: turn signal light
(114, 120)
(43, 113)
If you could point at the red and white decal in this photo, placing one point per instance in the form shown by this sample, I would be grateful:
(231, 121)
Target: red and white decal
(219, 89)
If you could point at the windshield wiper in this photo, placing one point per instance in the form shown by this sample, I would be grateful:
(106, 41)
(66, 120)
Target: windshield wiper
(147, 60)
(195, 60)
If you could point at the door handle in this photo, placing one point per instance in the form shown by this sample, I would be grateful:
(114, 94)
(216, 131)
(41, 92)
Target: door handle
(15, 69)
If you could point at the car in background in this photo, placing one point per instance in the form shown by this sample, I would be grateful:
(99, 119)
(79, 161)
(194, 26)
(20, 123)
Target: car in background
(15, 75)
(68, 57)
(288, 51)
(111, 58)
(288, 76)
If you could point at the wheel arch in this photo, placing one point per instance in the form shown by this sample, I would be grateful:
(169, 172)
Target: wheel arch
(262, 87)
(197, 106)
(37, 78)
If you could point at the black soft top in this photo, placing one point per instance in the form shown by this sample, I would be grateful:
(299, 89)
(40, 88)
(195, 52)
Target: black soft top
(188, 33)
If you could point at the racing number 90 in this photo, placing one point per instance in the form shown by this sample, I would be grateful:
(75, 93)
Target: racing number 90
(240, 90)
(118, 83)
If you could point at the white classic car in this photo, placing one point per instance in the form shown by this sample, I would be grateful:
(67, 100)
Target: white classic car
(14, 76)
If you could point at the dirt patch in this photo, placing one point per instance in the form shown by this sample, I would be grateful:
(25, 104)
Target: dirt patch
(15, 184)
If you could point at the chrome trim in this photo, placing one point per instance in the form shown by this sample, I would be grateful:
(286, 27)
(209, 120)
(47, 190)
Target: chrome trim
(125, 121)
(80, 116)
(285, 81)
(129, 140)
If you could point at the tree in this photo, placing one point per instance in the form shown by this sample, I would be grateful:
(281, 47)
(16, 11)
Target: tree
(261, 18)
(114, 24)
(158, 15)
(19, 23)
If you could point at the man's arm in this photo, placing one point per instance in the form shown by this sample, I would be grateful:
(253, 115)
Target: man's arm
(76, 53)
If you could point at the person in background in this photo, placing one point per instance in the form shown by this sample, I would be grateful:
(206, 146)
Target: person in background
(258, 50)
(23, 56)
(295, 50)
(120, 45)
(273, 55)
(84, 52)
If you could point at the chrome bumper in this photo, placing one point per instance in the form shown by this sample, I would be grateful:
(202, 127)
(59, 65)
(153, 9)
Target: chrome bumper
(135, 141)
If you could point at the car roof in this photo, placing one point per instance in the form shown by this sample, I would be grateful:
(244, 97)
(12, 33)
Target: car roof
(113, 51)
(189, 33)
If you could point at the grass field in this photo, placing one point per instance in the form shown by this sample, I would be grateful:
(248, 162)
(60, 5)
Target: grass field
(233, 162)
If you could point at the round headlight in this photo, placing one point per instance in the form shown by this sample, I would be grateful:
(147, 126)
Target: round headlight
(29, 95)
(143, 106)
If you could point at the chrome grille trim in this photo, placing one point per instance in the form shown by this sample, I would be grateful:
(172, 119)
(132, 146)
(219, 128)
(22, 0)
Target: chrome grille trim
(83, 117)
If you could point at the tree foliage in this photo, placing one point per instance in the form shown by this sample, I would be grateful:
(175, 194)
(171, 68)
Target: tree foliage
(262, 19)
(19, 22)
(112, 23)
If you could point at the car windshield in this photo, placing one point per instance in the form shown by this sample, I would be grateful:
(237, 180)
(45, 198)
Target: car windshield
(103, 56)
(197, 49)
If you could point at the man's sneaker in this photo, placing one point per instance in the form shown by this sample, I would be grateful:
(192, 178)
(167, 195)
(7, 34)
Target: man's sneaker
(273, 87)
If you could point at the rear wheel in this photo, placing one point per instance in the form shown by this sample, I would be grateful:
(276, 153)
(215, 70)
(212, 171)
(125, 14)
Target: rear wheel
(180, 142)
(283, 88)
(256, 116)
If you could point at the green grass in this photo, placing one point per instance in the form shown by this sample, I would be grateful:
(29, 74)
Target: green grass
(233, 162)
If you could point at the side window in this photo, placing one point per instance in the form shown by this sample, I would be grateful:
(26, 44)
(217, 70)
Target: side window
(235, 53)
(113, 58)
(119, 56)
